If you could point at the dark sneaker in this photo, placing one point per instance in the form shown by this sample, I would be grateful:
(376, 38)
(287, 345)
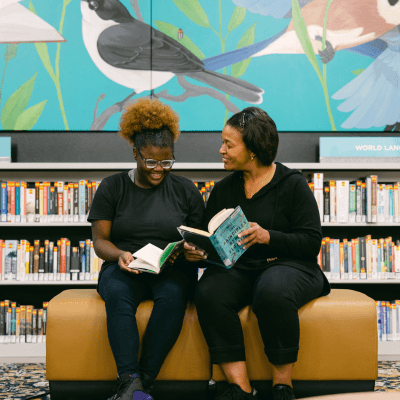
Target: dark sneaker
(130, 388)
(282, 392)
(236, 393)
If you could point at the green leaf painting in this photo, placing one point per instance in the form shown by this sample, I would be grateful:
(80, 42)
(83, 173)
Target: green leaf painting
(11, 51)
(194, 11)
(358, 71)
(301, 31)
(16, 104)
(237, 18)
(27, 120)
(247, 39)
(172, 31)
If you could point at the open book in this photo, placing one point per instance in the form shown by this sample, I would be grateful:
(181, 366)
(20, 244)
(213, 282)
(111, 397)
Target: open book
(220, 242)
(154, 260)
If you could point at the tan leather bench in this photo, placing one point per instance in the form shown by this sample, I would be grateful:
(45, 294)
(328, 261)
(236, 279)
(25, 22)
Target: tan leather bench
(338, 350)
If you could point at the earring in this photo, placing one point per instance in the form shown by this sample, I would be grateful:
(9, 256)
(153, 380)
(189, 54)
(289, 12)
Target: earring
(252, 158)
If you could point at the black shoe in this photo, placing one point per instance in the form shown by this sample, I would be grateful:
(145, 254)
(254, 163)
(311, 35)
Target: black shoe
(236, 393)
(282, 392)
(130, 388)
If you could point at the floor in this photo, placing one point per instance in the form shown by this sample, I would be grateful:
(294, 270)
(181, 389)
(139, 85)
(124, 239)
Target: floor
(28, 381)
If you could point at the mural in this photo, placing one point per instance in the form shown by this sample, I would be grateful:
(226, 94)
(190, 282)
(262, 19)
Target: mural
(313, 65)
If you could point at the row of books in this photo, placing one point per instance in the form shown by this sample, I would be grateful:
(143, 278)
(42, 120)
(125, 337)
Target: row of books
(48, 260)
(205, 189)
(22, 323)
(46, 201)
(388, 317)
(360, 258)
(364, 200)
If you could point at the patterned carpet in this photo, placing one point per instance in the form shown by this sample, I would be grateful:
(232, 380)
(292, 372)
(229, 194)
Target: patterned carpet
(28, 381)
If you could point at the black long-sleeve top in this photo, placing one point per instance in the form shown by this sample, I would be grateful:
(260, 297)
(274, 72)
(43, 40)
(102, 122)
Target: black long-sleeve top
(287, 209)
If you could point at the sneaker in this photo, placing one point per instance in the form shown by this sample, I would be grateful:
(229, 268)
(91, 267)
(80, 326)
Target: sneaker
(236, 393)
(282, 392)
(130, 388)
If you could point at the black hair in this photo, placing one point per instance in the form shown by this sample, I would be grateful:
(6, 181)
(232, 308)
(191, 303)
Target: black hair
(155, 137)
(259, 133)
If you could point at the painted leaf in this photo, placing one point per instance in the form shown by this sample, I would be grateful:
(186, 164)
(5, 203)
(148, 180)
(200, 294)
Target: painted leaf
(172, 31)
(194, 11)
(358, 71)
(247, 39)
(42, 51)
(67, 2)
(11, 51)
(27, 120)
(237, 18)
(16, 104)
(301, 31)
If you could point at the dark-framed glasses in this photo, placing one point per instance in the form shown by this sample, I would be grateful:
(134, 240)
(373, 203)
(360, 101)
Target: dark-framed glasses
(150, 163)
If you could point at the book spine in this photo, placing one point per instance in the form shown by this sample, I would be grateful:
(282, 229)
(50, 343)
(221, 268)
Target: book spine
(17, 201)
(352, 203)
(23, 201)
(3, 195)
(22, 329)
(342, 195)
(345, 260)
(34, 325)
(46, 260)
(358, 201)
(88, 276)
(332, 192)
(326, 203)
(82, 191)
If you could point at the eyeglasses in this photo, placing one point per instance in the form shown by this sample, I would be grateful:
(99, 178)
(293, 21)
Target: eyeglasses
(150, 163)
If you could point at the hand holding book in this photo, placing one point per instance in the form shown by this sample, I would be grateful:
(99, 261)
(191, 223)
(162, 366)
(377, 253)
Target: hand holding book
(220, 242)
(253, 235)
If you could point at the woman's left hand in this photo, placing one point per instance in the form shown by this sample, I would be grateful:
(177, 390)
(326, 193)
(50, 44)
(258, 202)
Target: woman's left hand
(255, 234)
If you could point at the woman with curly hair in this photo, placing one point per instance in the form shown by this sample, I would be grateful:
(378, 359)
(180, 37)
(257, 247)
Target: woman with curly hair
(131, 209)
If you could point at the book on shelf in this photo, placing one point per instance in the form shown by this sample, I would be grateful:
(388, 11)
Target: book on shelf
(154, 260)
(388, 320)
(364, 200)
(46, 202)
(361, 258)
(220, 242)
(41, 261)
(20, 323)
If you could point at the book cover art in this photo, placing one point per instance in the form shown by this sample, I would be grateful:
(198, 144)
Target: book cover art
(225, 238)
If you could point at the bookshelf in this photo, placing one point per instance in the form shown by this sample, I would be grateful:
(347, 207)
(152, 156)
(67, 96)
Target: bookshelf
(377, 289)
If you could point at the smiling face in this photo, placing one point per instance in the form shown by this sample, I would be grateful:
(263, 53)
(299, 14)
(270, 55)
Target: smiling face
(235, 154)
(150, 177)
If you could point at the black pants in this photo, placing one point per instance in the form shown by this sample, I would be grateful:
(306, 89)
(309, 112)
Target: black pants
(123, 292)
(276, 294)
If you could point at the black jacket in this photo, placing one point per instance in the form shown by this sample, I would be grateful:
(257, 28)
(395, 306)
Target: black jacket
(285, 207)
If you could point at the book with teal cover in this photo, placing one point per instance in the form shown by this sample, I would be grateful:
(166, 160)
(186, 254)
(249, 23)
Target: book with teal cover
(220, 245)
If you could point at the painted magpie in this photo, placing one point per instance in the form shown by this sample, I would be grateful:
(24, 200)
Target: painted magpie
(135, 55)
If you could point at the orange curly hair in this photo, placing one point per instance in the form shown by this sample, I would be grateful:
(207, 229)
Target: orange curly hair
(148, 115)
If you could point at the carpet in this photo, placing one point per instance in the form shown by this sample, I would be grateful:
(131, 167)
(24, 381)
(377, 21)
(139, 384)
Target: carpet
(28, 381)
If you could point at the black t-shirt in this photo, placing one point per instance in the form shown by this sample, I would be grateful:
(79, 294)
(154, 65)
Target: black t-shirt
(140, 216)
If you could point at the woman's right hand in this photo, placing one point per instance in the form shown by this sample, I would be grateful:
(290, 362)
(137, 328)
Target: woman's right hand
(124, 260)
(193, 253)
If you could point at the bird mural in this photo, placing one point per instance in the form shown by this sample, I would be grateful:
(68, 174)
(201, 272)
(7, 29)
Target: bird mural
(135, 55)
(20, 25)
(369, 28)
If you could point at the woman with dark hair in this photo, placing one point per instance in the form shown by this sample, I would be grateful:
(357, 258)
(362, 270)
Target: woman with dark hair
(278, 273)
(129, 210)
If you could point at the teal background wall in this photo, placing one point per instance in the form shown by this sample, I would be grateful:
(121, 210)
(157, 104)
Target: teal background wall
(293, 94)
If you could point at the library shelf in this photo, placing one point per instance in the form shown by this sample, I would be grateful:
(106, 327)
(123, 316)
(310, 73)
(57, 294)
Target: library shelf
(197, 172)
(22, 352)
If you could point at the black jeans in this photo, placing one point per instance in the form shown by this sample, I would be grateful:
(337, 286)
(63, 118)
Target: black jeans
(122, 293)
(276, 294)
